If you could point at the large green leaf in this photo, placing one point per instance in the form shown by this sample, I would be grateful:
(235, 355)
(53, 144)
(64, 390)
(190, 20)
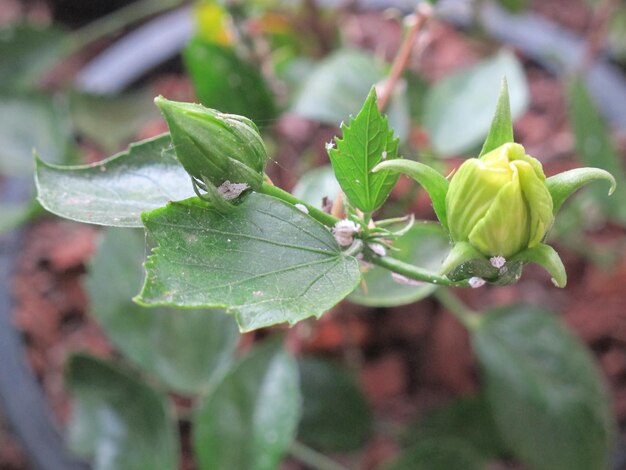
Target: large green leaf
(117, 190)
(467, 419)
(26, 51)
(118, 421)
(459, 109)
(224, 81)
(265, 261)
(595, 147)
(335, 413)
(425, 245)
(250, 419)
(546, 394)
(188, 350)
(366, 142)
(438, 454)
(338, 86)
(31, 122)
(112, 121)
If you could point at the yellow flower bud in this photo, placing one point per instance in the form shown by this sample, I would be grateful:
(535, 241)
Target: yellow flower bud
(499, 203)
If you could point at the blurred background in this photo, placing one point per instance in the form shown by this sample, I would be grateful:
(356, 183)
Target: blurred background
(77, 80)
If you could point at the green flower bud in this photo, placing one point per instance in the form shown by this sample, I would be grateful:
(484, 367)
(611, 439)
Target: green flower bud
(499, 203)
(215, 148)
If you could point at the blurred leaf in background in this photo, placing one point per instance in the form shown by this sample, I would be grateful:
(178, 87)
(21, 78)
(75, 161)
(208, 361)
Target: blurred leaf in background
(222, 78)
(459, 108)
(32, 121)
(438, 454)
(467, 419)
(426, 245)
(119, 421)
(112, 121)
(545, 392)
(250, 419)
(335, 414)
(337, 87)
(595, 147)
(188, 350)
(26, 52)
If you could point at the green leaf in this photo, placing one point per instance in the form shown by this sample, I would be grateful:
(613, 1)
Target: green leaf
(118, 421)
(335, 414)
(226, 82)
(264, 261)
(595, 146)
(26, 52)
(467, 419)
(250, 419)
(459, 109)
(31, 122)
(546, 257)
(424, 245)
(188, 350)
(563, 185)
(438, 454)
(316, 184)
(545, 392)
(501, 130)
(112, 121)
(338, 86)
(435, 184)
(366, 142)
(117, 190)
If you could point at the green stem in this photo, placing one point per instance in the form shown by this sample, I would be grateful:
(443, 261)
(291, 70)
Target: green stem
(451, 302)
(117, 20)
(414, 272)
(317, 214)
(313, 458)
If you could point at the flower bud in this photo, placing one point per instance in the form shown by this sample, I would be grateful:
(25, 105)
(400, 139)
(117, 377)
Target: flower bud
(499, 203)
(214, 147)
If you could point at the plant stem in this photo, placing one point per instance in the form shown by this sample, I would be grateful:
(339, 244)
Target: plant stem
(317, 214)
(414, 272)
(313, 458)
(422, 14)
(451, 302)
(116, 21)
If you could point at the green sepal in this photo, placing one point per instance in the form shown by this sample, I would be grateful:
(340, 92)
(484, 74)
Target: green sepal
(211, 195)
(546, 257)
(461, 253)
(435, 184)
(501, 130)
(563, 185)
(465, 262)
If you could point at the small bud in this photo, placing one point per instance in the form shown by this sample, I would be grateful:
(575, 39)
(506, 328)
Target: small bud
(377, 248)
(499, 203)
(476, 282)
(214, 147)
(301, 208)
(344, 232)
